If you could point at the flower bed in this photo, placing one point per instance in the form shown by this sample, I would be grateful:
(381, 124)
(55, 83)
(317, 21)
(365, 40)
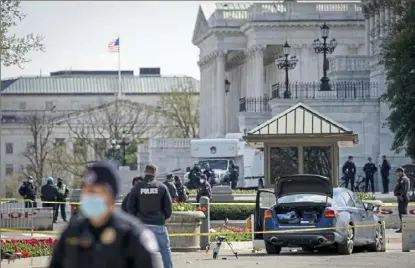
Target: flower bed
(233, 234)
(29, 247)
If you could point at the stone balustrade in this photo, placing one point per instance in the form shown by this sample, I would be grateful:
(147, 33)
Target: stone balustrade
(349, 63)
(236, 16)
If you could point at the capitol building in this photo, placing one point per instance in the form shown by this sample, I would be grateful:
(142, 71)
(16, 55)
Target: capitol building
(259, 59)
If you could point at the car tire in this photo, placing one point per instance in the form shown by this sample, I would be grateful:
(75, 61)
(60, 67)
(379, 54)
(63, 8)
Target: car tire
(346, 248)
(379, 238)
(272, 249)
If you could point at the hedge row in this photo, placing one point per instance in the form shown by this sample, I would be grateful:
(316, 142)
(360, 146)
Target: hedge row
(232, 212)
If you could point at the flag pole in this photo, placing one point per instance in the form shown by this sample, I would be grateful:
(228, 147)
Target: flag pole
(119, 68)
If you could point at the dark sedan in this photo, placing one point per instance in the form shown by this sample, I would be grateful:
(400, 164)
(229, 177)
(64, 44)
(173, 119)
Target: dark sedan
(305, 211)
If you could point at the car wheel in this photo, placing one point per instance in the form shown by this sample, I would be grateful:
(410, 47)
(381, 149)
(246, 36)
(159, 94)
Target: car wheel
(379, 240)
(346, 248)
(307, 249)
(272, 249)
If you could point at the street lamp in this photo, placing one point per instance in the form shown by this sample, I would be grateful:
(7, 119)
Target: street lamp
(121, 143)
(286, 62)
(227, 86)
(324, 48)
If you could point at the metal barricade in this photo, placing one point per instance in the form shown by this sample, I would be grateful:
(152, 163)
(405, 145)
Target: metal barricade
(15, 216)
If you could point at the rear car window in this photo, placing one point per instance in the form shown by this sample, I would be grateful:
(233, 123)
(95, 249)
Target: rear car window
(304, 198)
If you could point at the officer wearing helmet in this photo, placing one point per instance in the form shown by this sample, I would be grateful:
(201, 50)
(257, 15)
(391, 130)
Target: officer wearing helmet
(49, 194)
(104, 236)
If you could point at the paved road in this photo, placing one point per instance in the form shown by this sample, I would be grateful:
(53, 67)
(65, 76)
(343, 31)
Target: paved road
(297, 260)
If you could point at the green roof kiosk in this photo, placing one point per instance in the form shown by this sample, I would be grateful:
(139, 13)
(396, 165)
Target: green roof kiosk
(300, 140)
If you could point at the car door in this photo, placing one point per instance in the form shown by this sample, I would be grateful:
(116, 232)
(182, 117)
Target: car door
(265, 199)
(368, 230)
(355, 215)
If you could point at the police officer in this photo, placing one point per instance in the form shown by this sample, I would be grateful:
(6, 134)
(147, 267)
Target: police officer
(402, 194)
(234, 176)
(125, 200)
(104, 236)
(63, 193)
(204, 189)
(370, 169)
(210, 174)
(150, 201)
(28, 191)
(384, 172)
(169, 182)
(194, 177)
(182, 191)
(349, 172)
(49, 194)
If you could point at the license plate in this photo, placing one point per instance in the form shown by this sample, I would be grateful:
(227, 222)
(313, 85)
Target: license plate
(305, 222)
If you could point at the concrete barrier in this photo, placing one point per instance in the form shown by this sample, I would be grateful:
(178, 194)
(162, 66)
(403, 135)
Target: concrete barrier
(222, 194)
(408, 233)
(37, 219)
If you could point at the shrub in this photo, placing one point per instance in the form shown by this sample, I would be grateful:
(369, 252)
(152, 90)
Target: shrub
(29, 247)
(231, 211)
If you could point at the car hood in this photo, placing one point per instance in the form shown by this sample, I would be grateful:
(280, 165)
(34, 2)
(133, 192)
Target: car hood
(219, 171)
(303, 184)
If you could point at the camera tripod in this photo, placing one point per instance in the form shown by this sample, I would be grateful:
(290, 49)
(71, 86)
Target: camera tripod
(219, 241)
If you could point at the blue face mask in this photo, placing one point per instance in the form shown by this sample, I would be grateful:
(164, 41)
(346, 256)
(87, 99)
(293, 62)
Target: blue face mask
(93, 206)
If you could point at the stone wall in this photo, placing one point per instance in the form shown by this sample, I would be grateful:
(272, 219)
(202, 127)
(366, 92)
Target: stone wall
(166, 154)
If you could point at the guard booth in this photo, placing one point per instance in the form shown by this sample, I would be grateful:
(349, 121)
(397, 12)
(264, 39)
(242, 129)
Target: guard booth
(300, 140)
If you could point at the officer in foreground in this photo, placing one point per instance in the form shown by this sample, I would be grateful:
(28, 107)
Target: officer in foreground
(104, 237)
(204, 189)
(402, 194)
(150, 201)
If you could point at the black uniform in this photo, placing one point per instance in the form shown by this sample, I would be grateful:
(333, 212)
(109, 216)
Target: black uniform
(370, 169)
(48, 193)
(182, 192)
(122, 243)
(151, 202)
(194, 177)
(402, 193)
(384, 172)
(204, 190)
(234, 176)
(171, 187)
(210, 176)
(349, 171)
(28, 191)
(63, 193)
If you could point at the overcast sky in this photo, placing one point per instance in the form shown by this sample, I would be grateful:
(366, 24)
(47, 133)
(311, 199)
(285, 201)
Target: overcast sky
(77, 33)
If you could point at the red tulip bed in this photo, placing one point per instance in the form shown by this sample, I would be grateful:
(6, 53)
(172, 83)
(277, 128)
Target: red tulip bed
(29, 247)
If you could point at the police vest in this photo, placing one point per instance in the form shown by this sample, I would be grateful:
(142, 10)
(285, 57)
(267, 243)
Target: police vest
(62, 190)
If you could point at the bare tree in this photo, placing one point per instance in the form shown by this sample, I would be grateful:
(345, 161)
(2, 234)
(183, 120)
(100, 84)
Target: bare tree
(40, 125)
(14, 49)
(178, 112)
(92, 130)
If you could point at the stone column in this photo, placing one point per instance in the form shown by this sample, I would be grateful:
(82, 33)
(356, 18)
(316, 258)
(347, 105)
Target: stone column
(387, 19)
(259, 70)
(372, 32)
(213, 107)
(204, 105)
(377, 24)
(220, 92)
(367, 28)
(382, 21)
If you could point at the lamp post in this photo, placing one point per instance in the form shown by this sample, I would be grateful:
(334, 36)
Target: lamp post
(121, 143)
(286, 62)
(324, 48)
(227, 86)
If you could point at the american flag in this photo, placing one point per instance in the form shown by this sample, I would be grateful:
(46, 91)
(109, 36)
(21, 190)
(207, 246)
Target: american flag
(114, 46)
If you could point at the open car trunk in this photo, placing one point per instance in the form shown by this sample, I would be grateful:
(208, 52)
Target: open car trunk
(302, 199)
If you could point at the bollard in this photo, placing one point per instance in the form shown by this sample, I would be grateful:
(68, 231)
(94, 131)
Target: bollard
(408, 233)
(205, 227)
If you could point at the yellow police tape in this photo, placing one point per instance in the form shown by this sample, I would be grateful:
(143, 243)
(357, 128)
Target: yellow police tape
(212, 204)
(5, 230)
